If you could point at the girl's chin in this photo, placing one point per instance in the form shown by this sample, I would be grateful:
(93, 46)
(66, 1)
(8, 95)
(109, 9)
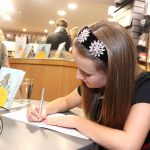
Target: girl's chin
(88, 85)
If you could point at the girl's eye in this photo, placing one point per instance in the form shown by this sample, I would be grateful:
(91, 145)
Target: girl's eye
(87, 74)
(84, 74)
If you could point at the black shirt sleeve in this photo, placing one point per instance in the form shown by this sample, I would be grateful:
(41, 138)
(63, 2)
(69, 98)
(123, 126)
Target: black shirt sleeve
(142, 91)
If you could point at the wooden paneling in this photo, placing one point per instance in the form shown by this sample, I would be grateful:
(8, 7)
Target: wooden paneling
(58, 77)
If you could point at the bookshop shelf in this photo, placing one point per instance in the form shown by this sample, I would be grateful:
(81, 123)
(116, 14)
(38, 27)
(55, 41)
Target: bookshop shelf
(58, 77)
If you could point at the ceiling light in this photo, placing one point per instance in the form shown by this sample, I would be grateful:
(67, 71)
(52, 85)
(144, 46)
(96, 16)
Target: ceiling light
(72, 6)
(45, 31)
(7, 35)
(6, 17)
(61, 13)
(51, 22)
(6, 6)
(24, 29)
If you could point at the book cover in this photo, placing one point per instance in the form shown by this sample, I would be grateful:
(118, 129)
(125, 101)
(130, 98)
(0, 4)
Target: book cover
(31, 49)
(61, 47)
(20, 46)
(10, 81)
(43, 51)
(28, 51)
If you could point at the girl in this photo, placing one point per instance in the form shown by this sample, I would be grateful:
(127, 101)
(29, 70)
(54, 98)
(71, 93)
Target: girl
(114, 94)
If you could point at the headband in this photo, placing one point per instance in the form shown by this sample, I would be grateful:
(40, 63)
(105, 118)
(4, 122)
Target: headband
(96, 47)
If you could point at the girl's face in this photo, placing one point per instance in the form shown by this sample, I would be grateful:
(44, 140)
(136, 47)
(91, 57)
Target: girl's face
(87, 71)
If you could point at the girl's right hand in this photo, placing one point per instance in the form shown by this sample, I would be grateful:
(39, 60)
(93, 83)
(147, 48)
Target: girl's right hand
(34, 115)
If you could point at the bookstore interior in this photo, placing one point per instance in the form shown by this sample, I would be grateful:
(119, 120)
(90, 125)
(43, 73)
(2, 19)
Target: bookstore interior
(29, 51)
(37, 73)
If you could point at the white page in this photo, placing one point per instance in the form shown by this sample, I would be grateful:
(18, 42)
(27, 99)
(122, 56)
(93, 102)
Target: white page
(17, 105)
(20, 115)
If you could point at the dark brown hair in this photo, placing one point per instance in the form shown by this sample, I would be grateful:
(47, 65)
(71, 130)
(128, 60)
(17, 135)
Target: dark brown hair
(121, 72)
(61, 22)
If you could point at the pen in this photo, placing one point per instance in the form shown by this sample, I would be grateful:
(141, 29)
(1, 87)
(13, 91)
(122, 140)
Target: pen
(42, 100)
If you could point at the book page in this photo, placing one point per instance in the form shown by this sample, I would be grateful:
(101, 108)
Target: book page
(20, 115)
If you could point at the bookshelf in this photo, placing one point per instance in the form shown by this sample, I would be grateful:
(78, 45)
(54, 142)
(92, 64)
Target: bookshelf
(144, 49)
(138, 26)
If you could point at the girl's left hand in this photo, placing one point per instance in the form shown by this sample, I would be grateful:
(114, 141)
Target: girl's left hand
(67, 121)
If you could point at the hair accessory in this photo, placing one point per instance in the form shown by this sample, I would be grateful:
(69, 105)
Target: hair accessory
(95, 47)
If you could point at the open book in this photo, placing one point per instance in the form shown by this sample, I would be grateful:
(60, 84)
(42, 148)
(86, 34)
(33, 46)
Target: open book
(20, 115)
(10, 81)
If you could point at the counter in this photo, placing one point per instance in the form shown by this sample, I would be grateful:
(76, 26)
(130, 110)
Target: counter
(58, 77)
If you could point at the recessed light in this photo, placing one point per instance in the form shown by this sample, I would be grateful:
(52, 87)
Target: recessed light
(8, 35)
(61, 13)
(45, 31)
(6, 17)
(6, 6)
(72, 6)
(24, 29)
(51, 22)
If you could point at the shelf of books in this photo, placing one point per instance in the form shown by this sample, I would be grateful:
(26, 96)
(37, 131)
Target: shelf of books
(143, 46)
(20, 49)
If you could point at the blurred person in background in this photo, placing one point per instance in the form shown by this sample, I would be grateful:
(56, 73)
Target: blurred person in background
(3, 52)
(73, 34)
(60, 35)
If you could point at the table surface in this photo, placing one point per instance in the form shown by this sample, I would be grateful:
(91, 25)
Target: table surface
(20, 136)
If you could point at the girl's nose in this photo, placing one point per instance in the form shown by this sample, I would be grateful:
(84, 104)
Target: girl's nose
(79, 76)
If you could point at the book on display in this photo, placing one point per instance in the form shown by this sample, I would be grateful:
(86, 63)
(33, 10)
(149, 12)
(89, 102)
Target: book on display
(10, 81)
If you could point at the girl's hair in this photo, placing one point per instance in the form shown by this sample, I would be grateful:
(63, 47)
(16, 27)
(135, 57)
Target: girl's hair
(61, 22)
(120, 70)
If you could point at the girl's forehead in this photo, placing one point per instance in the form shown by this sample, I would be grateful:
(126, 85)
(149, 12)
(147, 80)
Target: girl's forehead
(84, 63)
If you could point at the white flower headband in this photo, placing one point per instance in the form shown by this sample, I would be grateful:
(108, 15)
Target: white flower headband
(90, 41)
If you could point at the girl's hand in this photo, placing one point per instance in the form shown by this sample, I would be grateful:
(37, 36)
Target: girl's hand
(33, 113)
(63, 121)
